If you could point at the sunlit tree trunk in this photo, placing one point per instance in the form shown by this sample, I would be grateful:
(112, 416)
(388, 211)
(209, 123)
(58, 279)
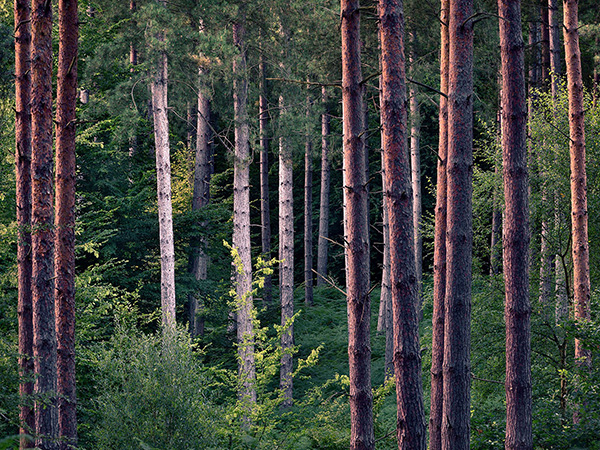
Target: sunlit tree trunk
(241, 215)
(356, 232)
(439, 253)
(516, 229)
(44, 326)
(459, 237)
(22, 11)
(323, 244)
(68, 28)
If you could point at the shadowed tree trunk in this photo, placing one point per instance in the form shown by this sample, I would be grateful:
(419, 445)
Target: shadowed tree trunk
(516, 229)
(308, 220)
(324, 200)
(68, 28)
(44, 331)
(133, 54)
(356, 232)
(439, 253)
(459, 237)
(579, 210)
(265, 213)
(286, 266)
(410, 428)
(163, 183)
(22, 11)
(241, 216)
(545, 43)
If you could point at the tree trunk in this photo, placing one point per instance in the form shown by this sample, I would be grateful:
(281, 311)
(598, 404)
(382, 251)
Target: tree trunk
(308, 220)
(459, 243)
(545, 43)
(579, 210)
(265, 213)
(356, 232)
(410, 429)
(324, 200)
(516, 229)
(200, 198)
(22, 11)
(241, 216)
(44, 326)
(163, 182)
(286, 266)
(439, 253)
(133, 54)
(66, 98)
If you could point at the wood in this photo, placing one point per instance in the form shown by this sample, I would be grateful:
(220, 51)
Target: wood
(356, 232)
(22, 11)
(44, 331)
(410, 428)
(308, 219)
(66, 98)
(323, 243)
(515, 238)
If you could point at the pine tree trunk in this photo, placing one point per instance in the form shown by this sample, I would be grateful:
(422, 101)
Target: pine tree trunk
(516, 229)
(459, 243)
(241, 216)
(68, 28)
(579, 210)
(439, 253)
(356, 232)
(44, 326)
(324, 200)
(545, 43)
(410, 429)
(265, 213)
(22, 11)
(133, 54)
(286, 266)
(308, 220)
(200, 198)
(163, 182)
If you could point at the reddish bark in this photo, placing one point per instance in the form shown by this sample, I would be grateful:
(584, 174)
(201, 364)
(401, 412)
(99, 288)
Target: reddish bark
(516, 229)
(459, 237)
(22, 12)
(44, 331)
(68, 28)
(579, 211)
(439, 255)
(356, 232)
(410, 429)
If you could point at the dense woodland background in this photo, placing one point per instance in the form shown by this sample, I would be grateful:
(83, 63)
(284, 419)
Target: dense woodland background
(132, 392)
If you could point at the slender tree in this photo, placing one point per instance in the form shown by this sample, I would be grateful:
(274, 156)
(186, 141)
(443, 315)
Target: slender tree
(163, 180)
(356, 232)
(411, 429)
(579, 210)
(265, 213)
(516, 229)
(66, 97)
(308, 220)
(241, 214)
(323, 244)
(22, 11)
(459, 234)
(44, 331)
(439, 254)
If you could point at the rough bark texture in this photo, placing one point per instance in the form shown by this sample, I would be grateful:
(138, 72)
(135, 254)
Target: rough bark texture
(554, 45)
(516, 229)
(439, 253)
(200, 198)
(323, 244)
(459, 237)
(68, 28)
(579, 211)
(286, 266)
(163, 183)
(356, 232)
(410, 429)
(44, 331)
(241, 216)
(22, 11)
(308, 220)
(265, 213)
